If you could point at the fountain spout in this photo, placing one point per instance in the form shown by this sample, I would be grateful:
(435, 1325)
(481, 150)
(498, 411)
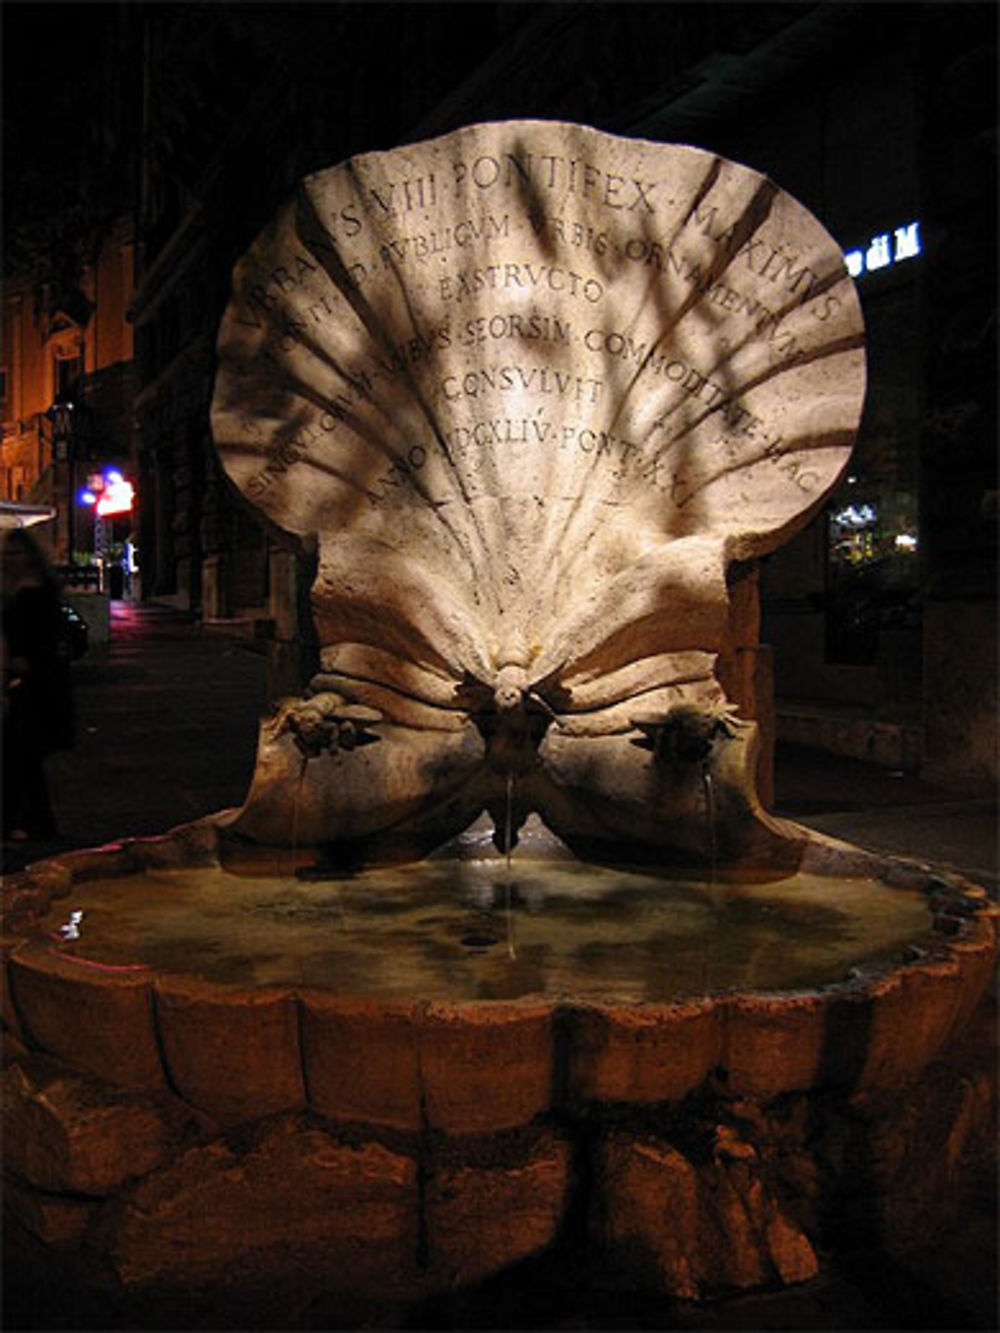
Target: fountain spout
(325, 721)
(513, 721)
(684, 735)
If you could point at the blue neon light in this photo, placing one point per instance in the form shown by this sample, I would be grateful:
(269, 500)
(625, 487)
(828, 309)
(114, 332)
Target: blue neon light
(884, 250)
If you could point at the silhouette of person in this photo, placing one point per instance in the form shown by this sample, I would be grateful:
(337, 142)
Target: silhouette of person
(37, 696)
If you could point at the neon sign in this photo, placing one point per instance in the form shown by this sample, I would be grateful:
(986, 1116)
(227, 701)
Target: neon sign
(109, 493)
(884, 250)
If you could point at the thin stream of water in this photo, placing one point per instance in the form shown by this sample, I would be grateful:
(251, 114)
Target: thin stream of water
(709, 790)
(296, 802)
(508, 832)
(708, 787)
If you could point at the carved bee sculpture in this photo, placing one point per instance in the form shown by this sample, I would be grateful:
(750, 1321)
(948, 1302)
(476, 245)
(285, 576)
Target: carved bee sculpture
(530, 393)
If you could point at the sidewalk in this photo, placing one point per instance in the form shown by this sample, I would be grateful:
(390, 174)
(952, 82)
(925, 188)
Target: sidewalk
(888, 811)
(166, 731)
(167, 720)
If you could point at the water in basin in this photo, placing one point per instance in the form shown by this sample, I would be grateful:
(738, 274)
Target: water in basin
(472, 930)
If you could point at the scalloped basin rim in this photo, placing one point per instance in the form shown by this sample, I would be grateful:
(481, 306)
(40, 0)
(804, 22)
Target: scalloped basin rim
(459, 928)
(202, 844)
(237, 1052)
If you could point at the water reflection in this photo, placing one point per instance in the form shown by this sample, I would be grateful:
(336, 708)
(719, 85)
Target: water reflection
(447, 930)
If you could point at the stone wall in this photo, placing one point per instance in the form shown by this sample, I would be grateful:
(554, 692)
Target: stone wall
(149, 1200)
(960, 694)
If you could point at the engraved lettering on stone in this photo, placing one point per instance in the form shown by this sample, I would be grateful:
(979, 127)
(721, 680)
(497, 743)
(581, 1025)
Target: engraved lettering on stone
(526, 389)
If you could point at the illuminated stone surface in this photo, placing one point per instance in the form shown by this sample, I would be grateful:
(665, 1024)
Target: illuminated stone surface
(464, 1049)
(72, 1135)
(483, 1217)
(643, 1053)
(232, 1054)
(339, 1038)
(415, 987)
(295, 1204)
(99, 1020)
(698, 1228)
(530, 389)
(704, 1142)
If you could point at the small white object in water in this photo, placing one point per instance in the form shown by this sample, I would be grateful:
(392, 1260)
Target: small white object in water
(71, 930)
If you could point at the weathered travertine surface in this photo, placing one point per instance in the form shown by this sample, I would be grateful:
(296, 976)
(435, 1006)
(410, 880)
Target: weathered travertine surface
(530, 388)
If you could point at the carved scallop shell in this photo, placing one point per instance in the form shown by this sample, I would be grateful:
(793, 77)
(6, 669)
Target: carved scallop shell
(531, 387)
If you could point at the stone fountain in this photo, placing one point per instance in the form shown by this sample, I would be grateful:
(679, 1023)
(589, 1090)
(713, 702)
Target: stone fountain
(502, 956)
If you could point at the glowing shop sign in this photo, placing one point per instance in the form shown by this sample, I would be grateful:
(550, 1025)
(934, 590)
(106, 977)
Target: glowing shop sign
(884, 250)
(109, 492)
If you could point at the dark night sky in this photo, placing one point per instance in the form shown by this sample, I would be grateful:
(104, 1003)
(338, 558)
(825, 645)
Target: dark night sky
(61, 75)
(54, 76)
(51, 54)
(60, 166)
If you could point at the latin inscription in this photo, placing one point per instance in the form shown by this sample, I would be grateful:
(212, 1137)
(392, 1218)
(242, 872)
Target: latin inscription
(421, 246)
(731, 415)
(524, 277)
(482, 259)
(526, 328)
(630, 458)
(476, 176)
(507, 379)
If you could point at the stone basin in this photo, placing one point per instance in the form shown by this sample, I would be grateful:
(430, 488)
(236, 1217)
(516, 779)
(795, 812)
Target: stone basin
(442, 1042)
(240, 983)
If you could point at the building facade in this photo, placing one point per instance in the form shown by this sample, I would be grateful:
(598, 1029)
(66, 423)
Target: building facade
(67, 385)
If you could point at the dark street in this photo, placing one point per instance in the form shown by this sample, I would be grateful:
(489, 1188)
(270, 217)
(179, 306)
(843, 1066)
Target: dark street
(166, 725)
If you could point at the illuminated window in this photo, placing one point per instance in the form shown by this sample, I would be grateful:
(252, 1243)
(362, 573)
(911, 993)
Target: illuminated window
(68, 370)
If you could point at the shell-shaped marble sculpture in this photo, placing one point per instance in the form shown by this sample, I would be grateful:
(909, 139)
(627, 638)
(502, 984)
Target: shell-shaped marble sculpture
(531, 387)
